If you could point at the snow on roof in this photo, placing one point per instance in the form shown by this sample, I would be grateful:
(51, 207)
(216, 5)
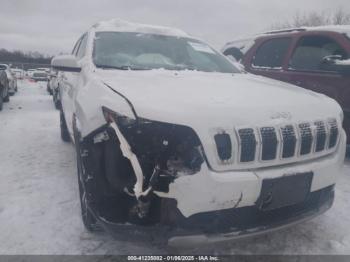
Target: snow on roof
(342, 29)
(118, 25)
(331, 28)
(334, 28)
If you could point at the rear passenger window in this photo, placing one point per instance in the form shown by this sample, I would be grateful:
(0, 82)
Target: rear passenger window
(310, 52)
(272, 53)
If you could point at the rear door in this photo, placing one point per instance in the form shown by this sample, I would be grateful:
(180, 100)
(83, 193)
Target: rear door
(306, 68)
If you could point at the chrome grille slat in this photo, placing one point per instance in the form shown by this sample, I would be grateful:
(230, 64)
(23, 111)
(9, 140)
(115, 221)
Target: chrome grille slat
(247, 144)
(289, 141)
(321, 136)
(306, 138)
(269, 143)
(333, 133)
(223, 146)
(286, 143)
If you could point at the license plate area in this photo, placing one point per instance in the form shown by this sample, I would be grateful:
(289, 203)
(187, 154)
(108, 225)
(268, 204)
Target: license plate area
(284, 191)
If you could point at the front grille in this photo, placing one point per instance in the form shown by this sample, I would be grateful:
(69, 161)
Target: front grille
(284, 143)
(333, 133)
(223, 145)
(320, 136)
(289, 141)
(248, 144)
(306, 138)
(269, 143)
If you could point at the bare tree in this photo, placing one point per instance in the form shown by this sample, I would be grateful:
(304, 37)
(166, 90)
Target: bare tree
(340, 17)
(337, 17)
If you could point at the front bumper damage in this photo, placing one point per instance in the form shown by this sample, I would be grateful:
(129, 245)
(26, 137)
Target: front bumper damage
(223, 225)
(154, 200)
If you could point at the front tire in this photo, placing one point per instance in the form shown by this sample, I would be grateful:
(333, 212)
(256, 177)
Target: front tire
(56, 100)
(1, 101)
(64, 130)
(89, 221)
(6, 98)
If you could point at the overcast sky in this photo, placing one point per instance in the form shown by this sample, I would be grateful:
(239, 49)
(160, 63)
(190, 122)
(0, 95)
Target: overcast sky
(53, 26)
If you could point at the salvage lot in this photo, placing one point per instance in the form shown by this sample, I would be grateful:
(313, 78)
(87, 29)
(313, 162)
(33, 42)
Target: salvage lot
(39, 203)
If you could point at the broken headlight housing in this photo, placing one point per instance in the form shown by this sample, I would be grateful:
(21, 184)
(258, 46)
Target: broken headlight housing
(172, 147)
(119, 119)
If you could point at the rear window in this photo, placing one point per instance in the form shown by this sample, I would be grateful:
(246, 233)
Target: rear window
(310, 52)
(272, 53)
(39, 75)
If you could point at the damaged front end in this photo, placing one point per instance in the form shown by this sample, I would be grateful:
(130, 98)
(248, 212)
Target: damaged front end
(149, 180)
(127, 160)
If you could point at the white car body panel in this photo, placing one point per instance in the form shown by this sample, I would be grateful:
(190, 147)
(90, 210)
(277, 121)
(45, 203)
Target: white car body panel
(208, 103)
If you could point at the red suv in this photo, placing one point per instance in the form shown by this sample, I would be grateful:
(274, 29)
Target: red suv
(314, 58)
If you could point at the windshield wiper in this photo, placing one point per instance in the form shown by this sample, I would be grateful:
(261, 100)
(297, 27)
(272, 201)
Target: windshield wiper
(113, 67)
(123, 67)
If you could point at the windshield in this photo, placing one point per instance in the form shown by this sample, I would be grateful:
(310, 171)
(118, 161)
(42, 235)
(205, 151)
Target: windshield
(137, 51)
(3, 67)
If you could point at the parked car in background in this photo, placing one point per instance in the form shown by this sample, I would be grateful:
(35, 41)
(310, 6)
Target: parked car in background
(39, 76)
(30, 72)
(56, 94)
(53, 87)
(19, 73)
(4, 88)
(316, 58)
(175, 143)
(44, 69)
(52, 75)
(11, 78)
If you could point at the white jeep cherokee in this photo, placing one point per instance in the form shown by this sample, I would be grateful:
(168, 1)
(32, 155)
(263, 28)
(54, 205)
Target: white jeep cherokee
(176, 142)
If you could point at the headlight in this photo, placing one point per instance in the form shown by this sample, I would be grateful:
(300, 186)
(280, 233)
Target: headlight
(120, 120)
(157, 142)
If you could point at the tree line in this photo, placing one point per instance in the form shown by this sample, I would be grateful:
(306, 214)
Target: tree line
(314, 18)
(23, 57)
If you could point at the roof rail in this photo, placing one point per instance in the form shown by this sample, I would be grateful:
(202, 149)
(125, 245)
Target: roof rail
(286, 31)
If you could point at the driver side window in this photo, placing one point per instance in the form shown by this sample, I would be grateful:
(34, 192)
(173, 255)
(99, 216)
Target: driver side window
(310, 53)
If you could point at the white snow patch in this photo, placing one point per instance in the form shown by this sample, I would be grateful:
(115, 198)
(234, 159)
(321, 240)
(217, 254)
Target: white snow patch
(118, 25)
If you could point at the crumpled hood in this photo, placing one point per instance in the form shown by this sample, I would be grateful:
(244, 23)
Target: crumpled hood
(198, 98)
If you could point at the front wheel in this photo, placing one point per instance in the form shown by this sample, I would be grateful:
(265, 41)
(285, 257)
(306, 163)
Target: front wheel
(64, 130)
(1, 100)
(7, 95)
(56, 100)
(88, 218)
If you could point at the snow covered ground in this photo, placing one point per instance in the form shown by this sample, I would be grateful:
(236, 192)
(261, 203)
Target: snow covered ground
(39, 206)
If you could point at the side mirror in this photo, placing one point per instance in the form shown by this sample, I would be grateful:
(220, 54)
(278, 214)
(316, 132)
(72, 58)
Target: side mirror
(331, 59)
(336, 63)
(67, 63)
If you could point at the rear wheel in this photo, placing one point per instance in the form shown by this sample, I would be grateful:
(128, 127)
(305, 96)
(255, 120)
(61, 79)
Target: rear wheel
(64, 130)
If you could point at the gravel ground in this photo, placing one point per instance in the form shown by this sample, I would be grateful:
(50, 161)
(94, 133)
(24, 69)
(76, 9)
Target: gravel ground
(39, 204)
